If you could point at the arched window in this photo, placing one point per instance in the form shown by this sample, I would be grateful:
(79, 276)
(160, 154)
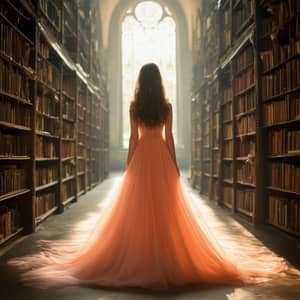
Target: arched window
(148, 35)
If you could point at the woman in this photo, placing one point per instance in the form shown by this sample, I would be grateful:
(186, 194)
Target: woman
(151, 235)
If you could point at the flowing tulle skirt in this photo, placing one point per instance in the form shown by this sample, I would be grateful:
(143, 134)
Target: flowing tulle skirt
(151, 235)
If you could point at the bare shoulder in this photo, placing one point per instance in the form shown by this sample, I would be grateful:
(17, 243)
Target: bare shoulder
(131, 106)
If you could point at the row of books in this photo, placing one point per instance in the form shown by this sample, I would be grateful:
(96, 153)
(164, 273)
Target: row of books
(45, 175)
(245, 146)
(68, 109)
(81, 183)
(242, 13)
(284, 212)
(48, 73)
(282, 79)
(43, 49)
(68, 149)
(69, 16)
(228, 170)
(245, 199)
(81, 150)
(13, 81)
(246, 124)
(68, 130)
(244, 59)
(206, 166)
(227, 131)
(10, 221)
(215, 163)
(81, 165)
(13, 145)
(53, 11)
(227, 111)
(246, 173)
(279, 54)
(68, 168)
(12, 178)
(245, 102)
(228, 195)
(283, 141)
(228, 149)
(47, 104)
(69, 85)
(14, 45)
(48, 125)
(225, 24)
(285, 109)
(44, 203)
(244, 81)
(285, 175)
(45, 148)
(227, 94)
(68, 189)
(14, 113)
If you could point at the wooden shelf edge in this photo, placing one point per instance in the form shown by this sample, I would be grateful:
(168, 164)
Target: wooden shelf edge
(14, 194)
(41, 218)
(6, 239)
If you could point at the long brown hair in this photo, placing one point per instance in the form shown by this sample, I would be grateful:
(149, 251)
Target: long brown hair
(150, 105)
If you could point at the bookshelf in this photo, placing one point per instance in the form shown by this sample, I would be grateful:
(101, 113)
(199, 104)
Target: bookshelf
(17, 91)
(254, 89)
(53, 110)
(196, 140)
(279, 52)
(226, 136)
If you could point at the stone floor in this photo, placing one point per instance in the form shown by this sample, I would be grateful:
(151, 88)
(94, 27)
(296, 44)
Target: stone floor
(231, 227)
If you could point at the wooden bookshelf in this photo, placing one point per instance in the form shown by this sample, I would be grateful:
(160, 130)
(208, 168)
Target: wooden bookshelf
(196, 140)
(280, 64)
(53, 110)
(17, 90)
(257, 67)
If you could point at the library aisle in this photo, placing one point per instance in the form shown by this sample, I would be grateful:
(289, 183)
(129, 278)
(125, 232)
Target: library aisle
(224, 225)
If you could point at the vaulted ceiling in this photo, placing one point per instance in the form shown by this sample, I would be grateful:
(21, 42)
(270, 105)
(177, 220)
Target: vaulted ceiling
(189, 9)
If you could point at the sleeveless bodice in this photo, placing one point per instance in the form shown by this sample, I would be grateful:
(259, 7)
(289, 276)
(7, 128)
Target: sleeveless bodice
(150, 132)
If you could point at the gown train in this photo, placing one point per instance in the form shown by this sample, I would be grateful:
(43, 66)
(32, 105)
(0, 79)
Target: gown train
(151, 234)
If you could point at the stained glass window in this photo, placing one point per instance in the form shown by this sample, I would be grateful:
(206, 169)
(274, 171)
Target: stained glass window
(148, 35)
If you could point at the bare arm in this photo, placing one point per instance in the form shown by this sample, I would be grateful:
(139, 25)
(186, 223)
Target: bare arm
(133, 136)
(169, 137)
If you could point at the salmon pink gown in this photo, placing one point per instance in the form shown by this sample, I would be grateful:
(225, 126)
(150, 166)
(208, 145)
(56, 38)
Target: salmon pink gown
(151, 235)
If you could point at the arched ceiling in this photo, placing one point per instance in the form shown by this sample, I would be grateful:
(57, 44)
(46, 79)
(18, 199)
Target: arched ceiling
(189, 8)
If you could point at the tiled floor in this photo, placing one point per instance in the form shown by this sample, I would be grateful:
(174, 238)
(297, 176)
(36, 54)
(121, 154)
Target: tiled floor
(62, 226)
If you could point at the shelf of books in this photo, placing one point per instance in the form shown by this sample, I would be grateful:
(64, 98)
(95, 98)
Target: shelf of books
(17, 89)
(81, 138)
(196, 136)
(83, 33)
(104, 136)
(68, 137)
(53, 128)
(206, 143)
(215, 143)
(244, 94)
(242, 17)
(225, 24)
(280, 58)
(69, 28)
(227, 149)
(47, 129)
(259, 124)
(88, 150)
